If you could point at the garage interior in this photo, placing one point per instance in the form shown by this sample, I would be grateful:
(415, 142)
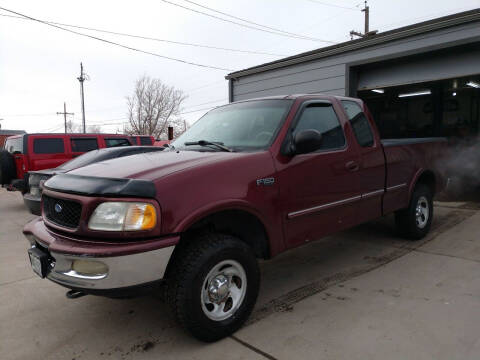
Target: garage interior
(435, 94)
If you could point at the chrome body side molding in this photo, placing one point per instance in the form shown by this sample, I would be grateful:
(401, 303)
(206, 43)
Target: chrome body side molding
(314, 209)
(396, 187)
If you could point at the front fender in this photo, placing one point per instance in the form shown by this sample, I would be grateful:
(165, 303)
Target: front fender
(274, 233)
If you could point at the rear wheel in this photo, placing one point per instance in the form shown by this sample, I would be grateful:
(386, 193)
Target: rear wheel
(212, 286)
(7, 167)
(415, 221)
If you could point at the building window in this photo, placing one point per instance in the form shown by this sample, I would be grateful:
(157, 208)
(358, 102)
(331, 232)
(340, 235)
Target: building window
(322, 117)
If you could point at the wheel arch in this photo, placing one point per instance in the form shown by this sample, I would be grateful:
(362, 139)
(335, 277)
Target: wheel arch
(426, 177)
(233, 218)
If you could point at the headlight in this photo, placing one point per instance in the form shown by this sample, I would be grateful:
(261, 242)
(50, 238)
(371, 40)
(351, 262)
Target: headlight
(35, 191)
(123, 216)
(37, 179)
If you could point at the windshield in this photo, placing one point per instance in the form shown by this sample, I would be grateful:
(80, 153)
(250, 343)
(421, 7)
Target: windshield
(14, 145)
(250, 125)
(84, 160)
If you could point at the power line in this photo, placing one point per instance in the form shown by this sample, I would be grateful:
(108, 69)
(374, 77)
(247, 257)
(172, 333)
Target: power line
(117, 44)
(276, 32)
(182, 113)
(44, 114)
(194, 111)
(106, 122)
(205, 103)
(247, 21)
(332, 5)
(205, 86)
(151, 38)
(425, 17)
(49, 129)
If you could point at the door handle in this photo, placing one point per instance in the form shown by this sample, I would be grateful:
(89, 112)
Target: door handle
(352, 166)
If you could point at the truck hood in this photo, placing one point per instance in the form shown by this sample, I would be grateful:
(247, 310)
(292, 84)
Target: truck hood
(152, 166)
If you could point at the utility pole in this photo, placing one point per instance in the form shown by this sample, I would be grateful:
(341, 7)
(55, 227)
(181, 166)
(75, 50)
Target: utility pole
(82, 78)
(64, 113)
(367, 31)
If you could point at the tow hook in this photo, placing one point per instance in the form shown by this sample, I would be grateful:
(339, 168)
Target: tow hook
(74, 294)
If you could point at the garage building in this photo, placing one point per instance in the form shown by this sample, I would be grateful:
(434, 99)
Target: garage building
(418, 81)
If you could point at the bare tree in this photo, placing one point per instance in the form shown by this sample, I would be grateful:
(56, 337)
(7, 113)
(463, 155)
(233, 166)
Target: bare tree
(153, 107)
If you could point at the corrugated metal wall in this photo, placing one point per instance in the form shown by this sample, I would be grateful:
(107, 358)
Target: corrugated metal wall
(330, 75)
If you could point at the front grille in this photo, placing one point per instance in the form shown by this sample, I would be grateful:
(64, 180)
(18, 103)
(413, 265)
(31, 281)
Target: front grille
(62, 212)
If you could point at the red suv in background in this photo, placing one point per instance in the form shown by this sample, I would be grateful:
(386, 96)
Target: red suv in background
(32, 152)
(142, 140)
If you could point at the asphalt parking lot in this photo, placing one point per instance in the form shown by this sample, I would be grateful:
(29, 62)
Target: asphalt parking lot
(361, 294)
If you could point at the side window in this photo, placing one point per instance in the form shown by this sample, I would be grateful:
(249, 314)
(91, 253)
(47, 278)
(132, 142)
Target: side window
(84, 144)
(322, 117)
(114, 142)
(145, 140)
(48, 146)
(133, 139)
(360, 125)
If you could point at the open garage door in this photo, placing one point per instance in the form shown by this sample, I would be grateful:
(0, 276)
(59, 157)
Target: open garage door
(449, 107)
(420, 69)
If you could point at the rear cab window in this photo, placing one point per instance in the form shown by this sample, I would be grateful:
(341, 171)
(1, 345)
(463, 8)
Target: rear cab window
(322, 117)
(48, 146)
(114, 142)
(83, 144)
(360, 124)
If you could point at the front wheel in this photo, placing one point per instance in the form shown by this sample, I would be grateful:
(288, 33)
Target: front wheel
(415, 221)
(213, 285)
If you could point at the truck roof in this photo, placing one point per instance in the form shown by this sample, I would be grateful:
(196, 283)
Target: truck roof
(70, 134)
(298, 96)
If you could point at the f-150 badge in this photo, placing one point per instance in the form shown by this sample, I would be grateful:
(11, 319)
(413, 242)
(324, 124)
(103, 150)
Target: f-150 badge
(266, 181)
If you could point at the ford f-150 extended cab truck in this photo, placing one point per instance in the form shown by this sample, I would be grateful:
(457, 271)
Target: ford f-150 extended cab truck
(248, 180)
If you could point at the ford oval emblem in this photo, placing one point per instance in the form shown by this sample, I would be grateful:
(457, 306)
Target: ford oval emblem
(58, 208)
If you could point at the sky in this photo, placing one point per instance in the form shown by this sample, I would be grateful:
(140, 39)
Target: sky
(39, 64)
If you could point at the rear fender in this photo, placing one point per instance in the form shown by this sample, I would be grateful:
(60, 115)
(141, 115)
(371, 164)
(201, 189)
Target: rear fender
(420, 172)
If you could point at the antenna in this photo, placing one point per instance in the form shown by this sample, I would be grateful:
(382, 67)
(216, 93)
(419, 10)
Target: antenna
(367, 31)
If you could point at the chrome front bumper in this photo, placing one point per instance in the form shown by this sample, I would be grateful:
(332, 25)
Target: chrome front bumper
(124, 270)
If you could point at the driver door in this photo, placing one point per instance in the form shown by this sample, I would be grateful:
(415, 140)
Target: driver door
(320, 190)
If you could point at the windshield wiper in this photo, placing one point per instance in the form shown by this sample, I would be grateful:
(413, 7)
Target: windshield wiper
(219, 145)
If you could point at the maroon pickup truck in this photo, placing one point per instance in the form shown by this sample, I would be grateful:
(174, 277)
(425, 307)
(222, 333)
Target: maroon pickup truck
(249, 180)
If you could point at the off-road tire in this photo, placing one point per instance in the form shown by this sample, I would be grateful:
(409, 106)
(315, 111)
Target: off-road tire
(186, 277)
(7, 167)
(406, 219)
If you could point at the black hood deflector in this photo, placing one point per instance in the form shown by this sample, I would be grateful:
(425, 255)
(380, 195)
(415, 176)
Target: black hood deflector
(91, 185)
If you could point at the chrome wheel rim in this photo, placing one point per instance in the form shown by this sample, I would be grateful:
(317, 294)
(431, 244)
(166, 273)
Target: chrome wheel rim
(422, 212)
(223, 290)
